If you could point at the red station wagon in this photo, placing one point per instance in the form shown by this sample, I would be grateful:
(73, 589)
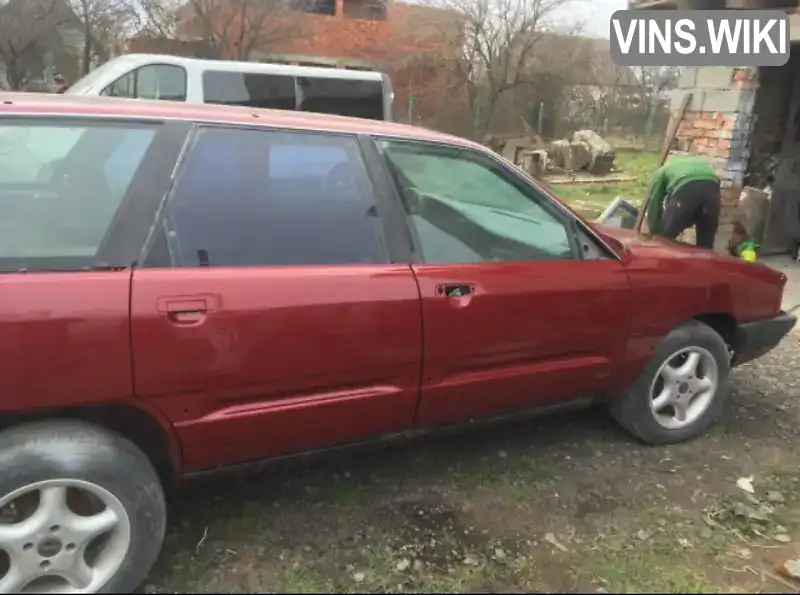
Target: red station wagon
(190, 288)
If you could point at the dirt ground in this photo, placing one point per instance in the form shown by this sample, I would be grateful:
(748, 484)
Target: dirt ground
(567, 503)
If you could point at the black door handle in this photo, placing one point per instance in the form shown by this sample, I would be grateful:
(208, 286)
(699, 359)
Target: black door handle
(453, 290)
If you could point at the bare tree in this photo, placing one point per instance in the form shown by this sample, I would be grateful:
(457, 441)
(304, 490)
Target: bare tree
(103, 23)
(27, 29)
(499, 41)
(158, 18)
(236, 28)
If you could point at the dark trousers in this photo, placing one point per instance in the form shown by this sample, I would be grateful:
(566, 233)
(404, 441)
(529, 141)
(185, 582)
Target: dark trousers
(697, 204)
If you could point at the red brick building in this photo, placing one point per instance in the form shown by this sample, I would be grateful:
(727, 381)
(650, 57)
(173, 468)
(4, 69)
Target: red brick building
(412, 43)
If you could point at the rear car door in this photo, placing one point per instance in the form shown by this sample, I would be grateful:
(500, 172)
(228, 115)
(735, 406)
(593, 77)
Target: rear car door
(520, 306)
(71, 190)
(269, 316)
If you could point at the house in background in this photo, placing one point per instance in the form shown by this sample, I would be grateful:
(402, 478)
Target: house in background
(39, 38)
(407, 41)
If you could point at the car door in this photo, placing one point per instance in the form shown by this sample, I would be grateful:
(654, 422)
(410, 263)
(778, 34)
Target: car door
(72, 193)
(520, 307)
(269, 317)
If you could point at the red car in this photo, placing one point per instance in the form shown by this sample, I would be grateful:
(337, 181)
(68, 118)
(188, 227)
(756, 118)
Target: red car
(190, 288)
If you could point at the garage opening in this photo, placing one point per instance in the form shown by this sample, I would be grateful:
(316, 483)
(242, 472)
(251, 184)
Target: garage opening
(774, 154)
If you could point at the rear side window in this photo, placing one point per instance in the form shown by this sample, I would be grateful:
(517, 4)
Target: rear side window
(261, 198)
(155, 81)
(60, 187)
(361, 99)
(251, 90)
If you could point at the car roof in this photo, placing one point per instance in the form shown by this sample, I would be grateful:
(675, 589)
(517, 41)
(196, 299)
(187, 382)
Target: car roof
(83, 105)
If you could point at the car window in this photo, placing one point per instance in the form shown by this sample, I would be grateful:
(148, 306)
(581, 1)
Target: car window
(261, 198)
(249, 89)
(344, 97)
(60, 187)
(155, 81)
(463, 208)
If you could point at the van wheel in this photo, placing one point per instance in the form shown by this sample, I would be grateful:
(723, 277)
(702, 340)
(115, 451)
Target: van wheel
(682, 390)
(81, 510)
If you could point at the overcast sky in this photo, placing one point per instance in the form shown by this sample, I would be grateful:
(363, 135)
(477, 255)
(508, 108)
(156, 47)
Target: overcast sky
(593, 14)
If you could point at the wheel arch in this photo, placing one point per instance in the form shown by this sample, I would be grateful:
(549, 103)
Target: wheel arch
(723, 323)
(146, 429)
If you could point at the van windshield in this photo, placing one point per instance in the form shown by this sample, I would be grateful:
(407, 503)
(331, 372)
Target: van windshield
(82, 85)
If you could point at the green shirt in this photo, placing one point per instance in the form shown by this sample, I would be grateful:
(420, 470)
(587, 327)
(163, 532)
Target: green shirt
(668, 178)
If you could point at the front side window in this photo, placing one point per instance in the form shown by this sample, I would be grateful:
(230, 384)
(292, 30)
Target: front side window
(268, 198)
(249, 89)
(155, 81)
(61, 185)
(463, 208)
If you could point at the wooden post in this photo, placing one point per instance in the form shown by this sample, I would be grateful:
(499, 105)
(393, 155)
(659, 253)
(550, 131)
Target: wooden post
(672, 130)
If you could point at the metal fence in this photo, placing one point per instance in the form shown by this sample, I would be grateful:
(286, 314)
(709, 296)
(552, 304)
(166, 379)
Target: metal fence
(629, 119)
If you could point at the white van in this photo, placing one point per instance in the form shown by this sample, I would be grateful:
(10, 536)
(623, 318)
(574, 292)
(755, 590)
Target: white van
(359, 93)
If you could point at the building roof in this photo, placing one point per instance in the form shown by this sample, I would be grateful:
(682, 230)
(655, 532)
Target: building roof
(66, 105)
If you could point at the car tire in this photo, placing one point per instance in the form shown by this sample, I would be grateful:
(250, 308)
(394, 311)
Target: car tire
(55, 472)
(644, 410)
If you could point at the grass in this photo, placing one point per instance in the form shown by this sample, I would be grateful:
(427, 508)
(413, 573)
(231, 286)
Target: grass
(501, 511)
(658, 550)
(592, 199)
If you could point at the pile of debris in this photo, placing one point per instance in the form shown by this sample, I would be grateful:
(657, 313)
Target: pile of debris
(587, 150)
(584, 151)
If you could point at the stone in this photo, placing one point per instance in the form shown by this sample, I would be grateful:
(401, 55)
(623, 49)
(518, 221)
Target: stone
(601, 153)
(790, 568)
(775, 497)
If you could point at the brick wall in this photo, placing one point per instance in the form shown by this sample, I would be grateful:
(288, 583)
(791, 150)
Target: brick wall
(718, 124)
(719, 119)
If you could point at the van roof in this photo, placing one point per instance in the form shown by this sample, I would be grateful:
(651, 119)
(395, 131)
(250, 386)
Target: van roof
(83, 105)
(135, 60)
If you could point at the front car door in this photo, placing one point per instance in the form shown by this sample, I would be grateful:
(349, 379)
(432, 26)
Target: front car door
(269, 317)
(521, 307)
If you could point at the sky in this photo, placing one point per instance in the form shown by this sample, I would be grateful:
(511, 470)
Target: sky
(595, 15)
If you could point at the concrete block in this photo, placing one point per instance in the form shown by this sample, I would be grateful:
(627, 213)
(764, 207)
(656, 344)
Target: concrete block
(688, 78)
(722, 100)
(720, 77)
(735, 165)
(739, 154)
(695, 103)
(740, 142)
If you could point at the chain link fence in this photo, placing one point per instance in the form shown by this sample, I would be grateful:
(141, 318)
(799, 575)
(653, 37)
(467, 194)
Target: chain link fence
(625, 116)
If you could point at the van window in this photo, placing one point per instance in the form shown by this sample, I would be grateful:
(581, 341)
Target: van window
(248, 89)
(344, 97)
(60, 187)
(154, 81)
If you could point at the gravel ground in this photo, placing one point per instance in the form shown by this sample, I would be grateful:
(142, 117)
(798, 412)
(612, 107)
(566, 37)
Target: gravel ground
(567, 503)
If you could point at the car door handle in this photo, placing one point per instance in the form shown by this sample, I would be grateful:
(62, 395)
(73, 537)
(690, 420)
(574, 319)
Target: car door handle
(186, 310)
(454, 290)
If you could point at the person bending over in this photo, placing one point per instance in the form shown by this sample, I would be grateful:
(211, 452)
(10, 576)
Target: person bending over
(684, 193)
